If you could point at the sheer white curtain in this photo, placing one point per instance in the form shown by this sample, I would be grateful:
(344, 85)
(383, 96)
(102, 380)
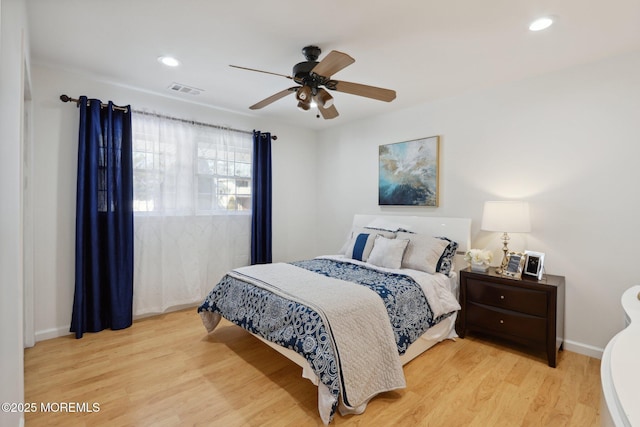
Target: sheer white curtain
(192, 201)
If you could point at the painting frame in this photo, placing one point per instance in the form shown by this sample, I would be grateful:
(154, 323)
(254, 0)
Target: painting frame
(409, 173)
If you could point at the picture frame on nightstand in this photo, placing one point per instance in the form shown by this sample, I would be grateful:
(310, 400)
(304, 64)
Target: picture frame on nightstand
(534, 264)
(515, 265)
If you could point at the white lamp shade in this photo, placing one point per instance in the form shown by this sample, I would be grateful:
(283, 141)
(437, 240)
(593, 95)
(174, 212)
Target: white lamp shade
(506, 216)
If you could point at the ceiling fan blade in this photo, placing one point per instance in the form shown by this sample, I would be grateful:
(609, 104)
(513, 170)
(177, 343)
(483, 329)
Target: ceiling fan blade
(327, 113)
(332, 63)
(373, 92)
(273, 98)
(260, 71)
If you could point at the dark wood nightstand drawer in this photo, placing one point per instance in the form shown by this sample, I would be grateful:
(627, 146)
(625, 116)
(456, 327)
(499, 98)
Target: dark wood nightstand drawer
(507, 322)
(507, 297)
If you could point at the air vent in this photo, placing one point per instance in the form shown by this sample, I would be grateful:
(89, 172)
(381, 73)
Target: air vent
(179, 87)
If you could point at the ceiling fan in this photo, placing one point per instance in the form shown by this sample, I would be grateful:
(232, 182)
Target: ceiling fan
(314, 77)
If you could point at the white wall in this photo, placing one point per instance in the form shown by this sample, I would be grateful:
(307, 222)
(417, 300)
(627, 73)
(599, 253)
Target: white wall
(55, 139)
(13, 61)
(568, 142)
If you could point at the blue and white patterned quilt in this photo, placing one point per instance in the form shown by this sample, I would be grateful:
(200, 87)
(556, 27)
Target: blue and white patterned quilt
(296, 321)
(408, 308)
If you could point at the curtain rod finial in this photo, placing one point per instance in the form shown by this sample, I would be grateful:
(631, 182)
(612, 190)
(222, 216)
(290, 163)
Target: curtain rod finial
(64, 98)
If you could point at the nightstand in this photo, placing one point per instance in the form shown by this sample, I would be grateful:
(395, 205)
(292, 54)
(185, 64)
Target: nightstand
(525, 311)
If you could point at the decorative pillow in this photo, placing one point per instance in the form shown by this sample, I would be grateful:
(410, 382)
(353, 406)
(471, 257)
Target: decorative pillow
(360, 246)
(388, 252)
(445, 263)
(355, 231)
(423, 252)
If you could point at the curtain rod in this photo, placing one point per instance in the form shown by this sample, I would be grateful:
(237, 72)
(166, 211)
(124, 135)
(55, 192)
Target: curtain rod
(65, 98)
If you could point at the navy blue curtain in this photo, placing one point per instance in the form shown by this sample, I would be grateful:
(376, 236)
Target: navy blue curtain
(104, 219)
(261, 199)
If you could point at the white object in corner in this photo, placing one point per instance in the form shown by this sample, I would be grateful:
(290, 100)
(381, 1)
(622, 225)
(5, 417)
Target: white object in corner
(620, 370)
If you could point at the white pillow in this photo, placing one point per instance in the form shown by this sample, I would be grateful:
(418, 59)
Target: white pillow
(387, 252)
(423, 251)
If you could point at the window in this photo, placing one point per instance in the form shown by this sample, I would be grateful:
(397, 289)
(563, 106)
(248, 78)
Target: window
(185, 168)
(224, 177)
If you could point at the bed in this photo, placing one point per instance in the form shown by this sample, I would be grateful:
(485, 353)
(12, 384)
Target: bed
(353, 319)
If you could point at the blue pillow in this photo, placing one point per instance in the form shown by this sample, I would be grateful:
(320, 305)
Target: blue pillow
(360, 246)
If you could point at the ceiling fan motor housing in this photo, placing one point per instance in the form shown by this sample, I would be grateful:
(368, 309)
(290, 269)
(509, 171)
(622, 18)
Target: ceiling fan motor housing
(311, 53)
(301, 72)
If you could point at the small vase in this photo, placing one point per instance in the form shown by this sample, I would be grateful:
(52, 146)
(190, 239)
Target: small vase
(480, 267)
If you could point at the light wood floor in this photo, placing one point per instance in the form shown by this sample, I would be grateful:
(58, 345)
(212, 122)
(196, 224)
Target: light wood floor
(166, 371)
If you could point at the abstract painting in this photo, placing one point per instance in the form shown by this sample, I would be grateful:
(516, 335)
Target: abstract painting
(408, 173)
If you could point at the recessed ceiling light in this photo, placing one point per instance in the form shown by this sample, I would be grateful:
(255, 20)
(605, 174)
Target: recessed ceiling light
(169, 61)
(541, 23)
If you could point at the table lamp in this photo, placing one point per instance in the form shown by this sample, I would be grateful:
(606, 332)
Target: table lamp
(506, 217)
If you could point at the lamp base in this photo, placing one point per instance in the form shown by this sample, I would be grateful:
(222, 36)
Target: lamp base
(505, 251)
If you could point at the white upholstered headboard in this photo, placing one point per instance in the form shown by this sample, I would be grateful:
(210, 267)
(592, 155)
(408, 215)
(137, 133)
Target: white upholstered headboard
(456, 229)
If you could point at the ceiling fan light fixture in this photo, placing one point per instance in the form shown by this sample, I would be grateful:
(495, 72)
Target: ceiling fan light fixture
(324, 99)
(304, 106)
(304, 94)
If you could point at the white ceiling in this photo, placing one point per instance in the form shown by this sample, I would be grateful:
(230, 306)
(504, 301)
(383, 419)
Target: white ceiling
(423, 49)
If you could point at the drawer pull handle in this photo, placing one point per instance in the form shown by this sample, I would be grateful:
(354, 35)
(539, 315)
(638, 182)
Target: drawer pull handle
(501, 296)
(501, 321)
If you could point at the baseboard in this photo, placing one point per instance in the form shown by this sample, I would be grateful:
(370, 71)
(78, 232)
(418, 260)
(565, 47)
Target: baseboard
(171, 309)
(585, 349)
(569, 345)
(48, 334)
(62, 331)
